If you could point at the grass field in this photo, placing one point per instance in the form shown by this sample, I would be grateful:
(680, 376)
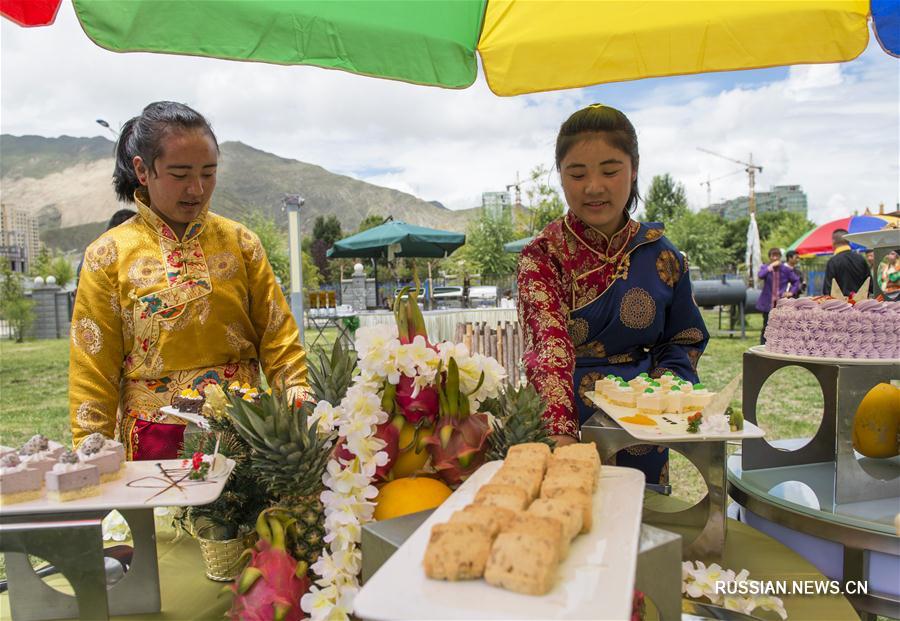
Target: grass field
(33, 399)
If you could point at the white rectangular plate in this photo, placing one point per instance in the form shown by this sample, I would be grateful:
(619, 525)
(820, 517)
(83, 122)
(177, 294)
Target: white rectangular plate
(594, 582)
(665, 430)
(145, 479)
(198, 419)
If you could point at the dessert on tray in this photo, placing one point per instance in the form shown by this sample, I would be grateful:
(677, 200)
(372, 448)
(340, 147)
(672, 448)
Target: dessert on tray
(108, 455)
(670, 394)
(40, 453)
(188, 400)
(522, 521)
(70, 479)
(18, 482)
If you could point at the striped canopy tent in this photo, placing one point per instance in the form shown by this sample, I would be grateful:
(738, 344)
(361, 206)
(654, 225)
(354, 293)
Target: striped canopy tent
(525, 46)
(818, 240)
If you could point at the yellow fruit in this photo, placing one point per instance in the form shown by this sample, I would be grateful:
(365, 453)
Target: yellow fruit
(409, 462)
(409, 495)
(877, 422)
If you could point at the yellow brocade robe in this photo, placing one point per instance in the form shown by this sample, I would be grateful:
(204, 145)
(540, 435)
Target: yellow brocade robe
(155, 315)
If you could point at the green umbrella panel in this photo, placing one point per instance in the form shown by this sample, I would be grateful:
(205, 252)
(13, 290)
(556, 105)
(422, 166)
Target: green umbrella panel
(398, 239)
(518, 245)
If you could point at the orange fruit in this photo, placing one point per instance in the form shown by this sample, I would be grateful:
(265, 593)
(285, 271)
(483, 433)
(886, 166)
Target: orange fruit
(876, 426)
(409, 495)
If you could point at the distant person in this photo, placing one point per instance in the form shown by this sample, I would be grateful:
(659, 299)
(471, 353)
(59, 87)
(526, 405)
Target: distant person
(779, 281)
(123, 215)
(793, 261)
(889, 275)
(507, 300)
(174, 299)
(870, 259)
(849, 269)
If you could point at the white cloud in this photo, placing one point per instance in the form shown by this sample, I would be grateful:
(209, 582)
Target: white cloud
(831, 128)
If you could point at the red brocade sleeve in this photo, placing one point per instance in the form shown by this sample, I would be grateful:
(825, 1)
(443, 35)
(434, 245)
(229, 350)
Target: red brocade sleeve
(549, 357)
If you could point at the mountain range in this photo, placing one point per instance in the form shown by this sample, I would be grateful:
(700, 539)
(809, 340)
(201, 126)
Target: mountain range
(66, 184)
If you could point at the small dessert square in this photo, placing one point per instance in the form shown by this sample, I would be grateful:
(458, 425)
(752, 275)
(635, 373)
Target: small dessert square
(566, 512)
(18, 482)
(527, 479)
(529, 461)
(522, 563)
(584, 502)
(575, 468)
(492, 518)
(71, 479)
(108, 455)
(457, 552)
(6, 450)
(580, 451)
(40, 453)
(548, 528)
(651, 401)
(530, 448)
(559, 481)
(189, 400)
(506, 496)
(674, 399)
(622, 394)
(698, 398)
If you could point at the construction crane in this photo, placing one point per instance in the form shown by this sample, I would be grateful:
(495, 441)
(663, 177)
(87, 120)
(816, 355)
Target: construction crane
(708, 184)
(518, 186)
(750, 168)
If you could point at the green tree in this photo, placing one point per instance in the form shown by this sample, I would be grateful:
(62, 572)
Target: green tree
(41, 264)
(785, 230)
(62, 270)
(543, 200)
(327, 229)
(700, 236)
(274, 241)
(15, 308)
(370, 222)
(666, 200)
(484, 244)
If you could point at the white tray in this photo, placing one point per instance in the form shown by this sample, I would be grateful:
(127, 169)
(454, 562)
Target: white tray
(594, 582)
(664, 431)
(762, 351)
(118, 495)
(883, 238)
(198, 419)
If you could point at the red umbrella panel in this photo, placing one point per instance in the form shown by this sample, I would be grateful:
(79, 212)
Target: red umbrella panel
(818, 241)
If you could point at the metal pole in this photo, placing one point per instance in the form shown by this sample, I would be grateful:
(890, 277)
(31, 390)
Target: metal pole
(293, 202)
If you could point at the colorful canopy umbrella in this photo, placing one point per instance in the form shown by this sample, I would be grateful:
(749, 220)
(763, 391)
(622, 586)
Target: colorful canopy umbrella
(397, 239)
(818, 240)
(525, 46)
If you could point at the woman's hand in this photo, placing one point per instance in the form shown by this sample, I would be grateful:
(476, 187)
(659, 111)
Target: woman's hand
(563, 440)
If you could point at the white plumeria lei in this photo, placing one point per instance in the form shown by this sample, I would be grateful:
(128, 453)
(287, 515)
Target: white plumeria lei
(700, 581)
(349, 493)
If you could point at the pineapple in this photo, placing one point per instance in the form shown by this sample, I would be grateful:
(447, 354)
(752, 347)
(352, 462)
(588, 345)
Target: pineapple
(289, 455)
(518, 419)
(329, 378)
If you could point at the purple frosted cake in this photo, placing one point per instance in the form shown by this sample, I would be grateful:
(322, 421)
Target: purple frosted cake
(18, 482)
(108, 455)
(71, 479)
(40, 453)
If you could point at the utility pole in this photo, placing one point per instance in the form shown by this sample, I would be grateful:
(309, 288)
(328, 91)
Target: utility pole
(292, 204)
(750, 168)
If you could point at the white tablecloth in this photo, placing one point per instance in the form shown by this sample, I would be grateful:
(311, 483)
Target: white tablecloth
(441, 324)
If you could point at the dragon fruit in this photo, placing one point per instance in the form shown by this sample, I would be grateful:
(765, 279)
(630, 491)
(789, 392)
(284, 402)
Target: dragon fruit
(271, 585)
(459, 442)
(421, 407)
(410, 322)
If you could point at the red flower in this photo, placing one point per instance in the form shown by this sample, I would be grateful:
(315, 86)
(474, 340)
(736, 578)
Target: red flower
(196, 460)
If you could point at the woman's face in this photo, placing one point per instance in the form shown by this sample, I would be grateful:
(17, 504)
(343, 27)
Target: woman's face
(183, 177)
(596, 179)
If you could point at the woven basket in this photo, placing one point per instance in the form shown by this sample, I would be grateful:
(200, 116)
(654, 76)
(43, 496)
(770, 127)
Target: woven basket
(220, 557)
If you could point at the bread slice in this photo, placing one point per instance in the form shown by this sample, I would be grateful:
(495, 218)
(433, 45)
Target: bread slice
(530, 448)
(576, 469)
(529, 479)
(548, 528)
(493, 518)
(566, 511)
(581, 483)
(522, 562)
(583, 500)
(457, 552)
(506, 496)
(580, 451)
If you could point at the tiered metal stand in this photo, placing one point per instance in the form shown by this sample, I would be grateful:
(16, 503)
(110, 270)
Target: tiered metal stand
(821, 498)
(73, 542)
(702, 525)
(658, 568)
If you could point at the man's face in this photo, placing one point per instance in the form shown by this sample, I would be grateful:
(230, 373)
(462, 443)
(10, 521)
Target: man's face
(774, 256)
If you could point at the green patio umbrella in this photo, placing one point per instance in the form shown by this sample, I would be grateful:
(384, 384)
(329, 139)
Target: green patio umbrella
(516, 246)
(397, 239)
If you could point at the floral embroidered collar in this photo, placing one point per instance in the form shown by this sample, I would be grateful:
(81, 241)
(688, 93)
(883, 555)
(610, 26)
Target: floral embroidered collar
(597, 241)
(194, 228)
